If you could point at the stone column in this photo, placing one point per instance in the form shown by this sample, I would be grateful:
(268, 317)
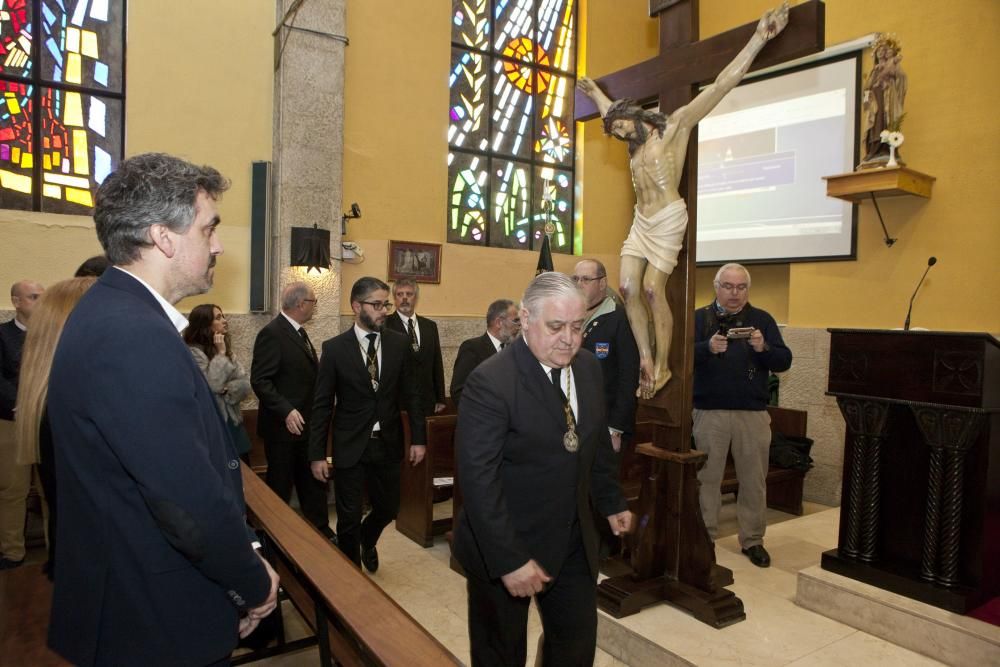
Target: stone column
(308, 146)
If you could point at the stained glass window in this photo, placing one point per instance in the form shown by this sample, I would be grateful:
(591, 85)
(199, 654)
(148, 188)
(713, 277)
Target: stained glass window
(62, 72)
(510, 133)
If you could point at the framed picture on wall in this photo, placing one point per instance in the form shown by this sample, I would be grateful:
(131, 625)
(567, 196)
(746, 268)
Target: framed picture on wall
(420, 261)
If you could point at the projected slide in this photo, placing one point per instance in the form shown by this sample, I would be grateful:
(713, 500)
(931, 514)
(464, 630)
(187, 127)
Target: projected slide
(762, 154)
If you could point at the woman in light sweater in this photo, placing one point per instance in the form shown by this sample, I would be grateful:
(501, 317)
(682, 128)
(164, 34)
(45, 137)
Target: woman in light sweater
(207, 336)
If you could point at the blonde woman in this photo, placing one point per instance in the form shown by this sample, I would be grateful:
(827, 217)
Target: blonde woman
(34, 438)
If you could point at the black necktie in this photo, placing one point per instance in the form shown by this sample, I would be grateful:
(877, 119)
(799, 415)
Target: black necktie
(410, 329)
(372, 358)
(503, 345)
(556, 374)
(305, 337)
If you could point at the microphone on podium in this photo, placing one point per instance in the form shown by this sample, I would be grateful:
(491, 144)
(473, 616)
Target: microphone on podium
(931, 261)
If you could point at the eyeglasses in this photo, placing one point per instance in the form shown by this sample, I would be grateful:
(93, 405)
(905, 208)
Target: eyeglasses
(378, 305)
(729, 287)
(311, 300)
(585, 279)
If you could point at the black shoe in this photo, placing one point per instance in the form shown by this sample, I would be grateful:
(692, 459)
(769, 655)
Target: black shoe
(330, 535)
(8, 564)
(758, 555)
(370, 558)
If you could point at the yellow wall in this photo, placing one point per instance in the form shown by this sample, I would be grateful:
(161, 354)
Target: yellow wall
(198, 85)
(204, 92)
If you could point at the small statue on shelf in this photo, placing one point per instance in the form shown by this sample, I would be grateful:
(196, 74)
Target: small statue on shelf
(882, 101)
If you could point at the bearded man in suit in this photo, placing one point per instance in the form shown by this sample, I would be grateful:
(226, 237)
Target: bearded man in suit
(369, 373)
(424, 339)
(534, 455)
(503, 324)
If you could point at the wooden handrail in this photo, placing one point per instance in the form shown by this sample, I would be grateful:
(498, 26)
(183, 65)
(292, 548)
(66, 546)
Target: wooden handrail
(364, 625)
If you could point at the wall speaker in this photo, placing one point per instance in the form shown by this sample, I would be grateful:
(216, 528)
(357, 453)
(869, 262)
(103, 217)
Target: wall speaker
(260, 236)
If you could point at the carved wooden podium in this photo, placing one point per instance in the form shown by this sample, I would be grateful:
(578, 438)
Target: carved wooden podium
(920, 511)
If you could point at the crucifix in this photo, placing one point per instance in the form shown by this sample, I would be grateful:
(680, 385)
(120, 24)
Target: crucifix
(671, 555)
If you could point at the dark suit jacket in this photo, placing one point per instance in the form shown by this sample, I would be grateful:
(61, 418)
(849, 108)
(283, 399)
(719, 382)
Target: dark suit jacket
(522, 490)
(154, 554)
(11, 343)
(609, 337)
(344, 378)
(283, 375)
(430, 366)
(471, 353)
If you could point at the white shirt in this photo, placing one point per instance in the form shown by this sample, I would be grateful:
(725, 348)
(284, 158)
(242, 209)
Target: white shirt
(295, 325)
(496, 341)
(17, 323)
(179, 321)
(573, 403)
(362, 337)
(406, 325)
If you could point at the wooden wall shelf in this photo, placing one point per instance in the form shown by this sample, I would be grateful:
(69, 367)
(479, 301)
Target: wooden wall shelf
(857, 186)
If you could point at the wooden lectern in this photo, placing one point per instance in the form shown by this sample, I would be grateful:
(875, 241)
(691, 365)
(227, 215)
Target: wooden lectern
(920, 510)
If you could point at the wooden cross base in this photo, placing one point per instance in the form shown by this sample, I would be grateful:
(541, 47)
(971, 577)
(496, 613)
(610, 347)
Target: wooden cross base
(672, 557)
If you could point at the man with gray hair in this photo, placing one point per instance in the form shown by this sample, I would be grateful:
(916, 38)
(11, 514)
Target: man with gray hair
(503, 325)
(156, 562)
(533, 456)
(283, 376)
(424, 340)
(735, 348)
(15, 479)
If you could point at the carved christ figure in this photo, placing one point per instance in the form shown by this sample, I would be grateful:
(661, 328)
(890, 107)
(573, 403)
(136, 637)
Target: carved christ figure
(657, 146)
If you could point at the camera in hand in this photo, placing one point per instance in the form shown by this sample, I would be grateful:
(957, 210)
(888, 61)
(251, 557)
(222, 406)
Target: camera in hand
(737, 333)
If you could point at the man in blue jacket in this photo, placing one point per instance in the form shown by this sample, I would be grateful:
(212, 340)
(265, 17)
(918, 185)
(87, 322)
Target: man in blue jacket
(156, 562)
(736, 346)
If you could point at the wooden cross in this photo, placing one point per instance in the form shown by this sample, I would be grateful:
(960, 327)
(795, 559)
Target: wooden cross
(671, 555)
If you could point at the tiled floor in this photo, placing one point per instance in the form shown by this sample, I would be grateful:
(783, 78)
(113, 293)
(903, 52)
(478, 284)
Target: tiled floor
(776, 632)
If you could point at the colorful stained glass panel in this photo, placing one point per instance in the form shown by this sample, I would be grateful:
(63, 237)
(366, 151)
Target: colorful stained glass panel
(468, 201)
(470, 23)
(15, 37)
(554, 125)
(556, 35)
(16, 160)
(510, 192)
(82, 43)
(553, 204)
(78, 150)
(510, 109)
(515, 29)
(469, 81)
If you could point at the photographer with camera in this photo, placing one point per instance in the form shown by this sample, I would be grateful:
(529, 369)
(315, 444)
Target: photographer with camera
(736, 346)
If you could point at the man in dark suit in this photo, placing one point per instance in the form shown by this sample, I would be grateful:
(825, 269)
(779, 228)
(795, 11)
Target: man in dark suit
(607, 334)
(14, 477)
(423, 335)
(533, 454)
(156, 563)
(283, 375)
(503, 325)
(369, 373)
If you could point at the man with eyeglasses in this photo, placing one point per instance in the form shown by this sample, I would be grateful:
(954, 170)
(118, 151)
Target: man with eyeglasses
(15, 479)
(606, 333)
(370, 373)
(283, 375)
(736, 347)
(503, 326)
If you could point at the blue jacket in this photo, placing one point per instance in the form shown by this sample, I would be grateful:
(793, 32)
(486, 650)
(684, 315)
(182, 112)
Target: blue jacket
(736, 379)
(155, 558)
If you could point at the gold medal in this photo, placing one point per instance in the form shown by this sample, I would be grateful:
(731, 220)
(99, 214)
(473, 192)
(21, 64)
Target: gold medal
(571, 441)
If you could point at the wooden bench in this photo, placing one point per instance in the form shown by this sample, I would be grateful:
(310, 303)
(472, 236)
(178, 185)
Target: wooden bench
(784, 485)
(416, 485)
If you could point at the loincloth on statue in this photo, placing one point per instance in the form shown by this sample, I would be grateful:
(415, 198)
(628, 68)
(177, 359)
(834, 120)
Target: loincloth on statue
(658, 239)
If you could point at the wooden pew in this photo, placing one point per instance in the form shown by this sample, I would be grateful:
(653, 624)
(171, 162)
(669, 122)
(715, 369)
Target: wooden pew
(416, 486)
(784, 486)
(355, 622)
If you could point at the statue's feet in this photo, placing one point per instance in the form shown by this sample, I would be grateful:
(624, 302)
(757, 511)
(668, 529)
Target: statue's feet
(647, 380)
(650, 383)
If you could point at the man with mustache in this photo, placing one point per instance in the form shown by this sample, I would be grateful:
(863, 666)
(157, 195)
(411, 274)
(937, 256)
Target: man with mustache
(369, 372)
(424, 339)
(156, 562)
